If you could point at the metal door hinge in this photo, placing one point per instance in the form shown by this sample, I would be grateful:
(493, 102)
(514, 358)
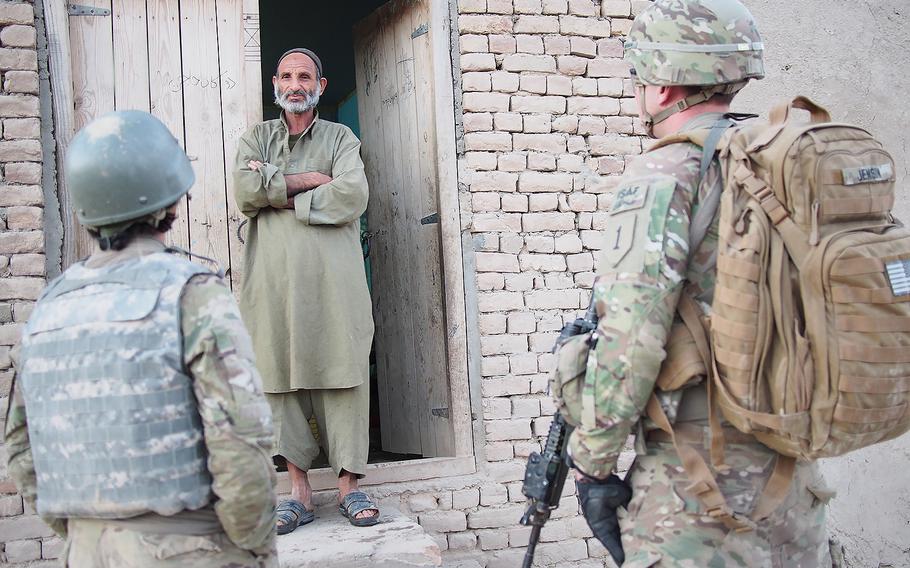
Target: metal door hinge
(430, 219)
(440, 412)
(424, 28)
(80, 10)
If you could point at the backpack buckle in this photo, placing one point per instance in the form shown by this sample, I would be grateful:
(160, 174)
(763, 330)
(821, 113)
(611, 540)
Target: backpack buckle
(763, 193)
(734, 522)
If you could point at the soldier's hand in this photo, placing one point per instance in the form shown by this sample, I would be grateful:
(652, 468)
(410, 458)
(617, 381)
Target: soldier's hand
(254, 165)
(599, 501)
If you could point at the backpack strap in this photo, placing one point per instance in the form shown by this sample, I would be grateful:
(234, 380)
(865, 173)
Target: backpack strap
(701, 221)
(797, 242)
(776, 488)
(692, 316)
(781, 112)
(778, 484)
(703, 483)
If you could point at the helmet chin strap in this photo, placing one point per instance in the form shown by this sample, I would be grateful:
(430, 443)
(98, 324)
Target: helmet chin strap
(649, 121)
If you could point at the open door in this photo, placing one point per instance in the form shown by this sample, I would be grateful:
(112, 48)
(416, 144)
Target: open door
(394, 67)
(194, 64)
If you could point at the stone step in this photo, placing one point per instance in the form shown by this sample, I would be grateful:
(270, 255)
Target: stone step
(462, 564)
(330, 540)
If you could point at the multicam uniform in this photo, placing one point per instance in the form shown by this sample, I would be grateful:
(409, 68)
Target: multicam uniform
(645, 266)
(236, 527)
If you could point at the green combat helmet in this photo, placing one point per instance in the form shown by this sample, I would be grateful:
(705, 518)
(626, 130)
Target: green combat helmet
(713, 44)
(125, 166)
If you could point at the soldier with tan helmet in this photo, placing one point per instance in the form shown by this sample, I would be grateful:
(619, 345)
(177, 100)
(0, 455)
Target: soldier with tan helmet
(137, 426)
(689, 59)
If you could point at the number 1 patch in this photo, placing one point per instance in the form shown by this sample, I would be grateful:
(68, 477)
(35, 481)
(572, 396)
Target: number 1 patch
(618, 239)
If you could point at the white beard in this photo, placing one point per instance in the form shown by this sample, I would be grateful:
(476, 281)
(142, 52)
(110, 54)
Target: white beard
(309, 102)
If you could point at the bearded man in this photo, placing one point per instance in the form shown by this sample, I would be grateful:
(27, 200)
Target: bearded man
(304, 296)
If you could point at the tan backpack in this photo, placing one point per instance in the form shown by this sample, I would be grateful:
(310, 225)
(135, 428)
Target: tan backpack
(810, 332)
(808, 345)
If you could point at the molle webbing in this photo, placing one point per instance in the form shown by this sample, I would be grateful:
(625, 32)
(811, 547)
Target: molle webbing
(812, 262)
(107, 394)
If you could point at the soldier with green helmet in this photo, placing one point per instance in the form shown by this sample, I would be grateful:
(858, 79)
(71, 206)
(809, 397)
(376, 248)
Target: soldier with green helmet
(137, 426)
(689, 59)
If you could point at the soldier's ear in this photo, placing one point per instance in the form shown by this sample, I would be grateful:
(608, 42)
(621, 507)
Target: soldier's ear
(666, 95)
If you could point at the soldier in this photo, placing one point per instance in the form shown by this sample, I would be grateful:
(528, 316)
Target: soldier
(689, 59)
(137, 425)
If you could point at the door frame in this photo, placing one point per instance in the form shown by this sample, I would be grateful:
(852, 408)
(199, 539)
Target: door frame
(453, 275)
(462, 419)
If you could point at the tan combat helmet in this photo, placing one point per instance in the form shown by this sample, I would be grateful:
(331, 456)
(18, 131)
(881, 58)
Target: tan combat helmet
(713, 44)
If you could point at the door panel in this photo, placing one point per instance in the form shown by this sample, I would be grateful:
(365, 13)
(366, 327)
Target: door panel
(188, 63)
(395, 97)
(166, 89)
(92, 46)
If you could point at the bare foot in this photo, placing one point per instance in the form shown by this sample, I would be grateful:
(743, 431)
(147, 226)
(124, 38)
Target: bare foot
(300, 487)
(347, 483)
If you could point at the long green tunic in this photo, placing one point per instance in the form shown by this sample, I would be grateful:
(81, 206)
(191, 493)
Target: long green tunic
(304, 295)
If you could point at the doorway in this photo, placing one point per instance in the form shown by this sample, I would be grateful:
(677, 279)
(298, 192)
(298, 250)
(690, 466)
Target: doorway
(204, 68)
(377, 59)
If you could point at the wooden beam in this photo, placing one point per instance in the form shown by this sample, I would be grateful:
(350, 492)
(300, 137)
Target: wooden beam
(56, 21)
(233, 28)
(450, 226)
(203, 130)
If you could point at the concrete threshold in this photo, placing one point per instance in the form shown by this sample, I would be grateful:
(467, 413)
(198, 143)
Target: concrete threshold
(330, 540)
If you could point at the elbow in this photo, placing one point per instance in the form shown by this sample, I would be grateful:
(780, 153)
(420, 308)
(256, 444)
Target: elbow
(362, 205)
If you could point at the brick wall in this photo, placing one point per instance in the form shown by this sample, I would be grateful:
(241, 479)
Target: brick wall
(23, 537)
(548, 129)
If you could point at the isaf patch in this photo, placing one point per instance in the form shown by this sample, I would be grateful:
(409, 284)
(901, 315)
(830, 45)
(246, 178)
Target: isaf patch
(629, 198)
(637, 218)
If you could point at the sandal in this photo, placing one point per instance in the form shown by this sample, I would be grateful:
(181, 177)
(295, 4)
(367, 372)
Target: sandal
(292, 514)
(355, 503)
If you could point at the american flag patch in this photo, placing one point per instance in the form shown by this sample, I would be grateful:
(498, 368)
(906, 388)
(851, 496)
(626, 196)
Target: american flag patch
(899, 276)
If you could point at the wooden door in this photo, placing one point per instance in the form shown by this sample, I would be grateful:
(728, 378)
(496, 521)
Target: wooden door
(394, 70)
(194, 64)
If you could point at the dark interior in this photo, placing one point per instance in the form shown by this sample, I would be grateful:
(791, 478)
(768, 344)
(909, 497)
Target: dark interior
(324, 27)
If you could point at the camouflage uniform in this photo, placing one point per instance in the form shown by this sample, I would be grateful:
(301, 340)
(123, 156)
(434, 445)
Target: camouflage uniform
(238, 528)
(713, 48)
(645, 265)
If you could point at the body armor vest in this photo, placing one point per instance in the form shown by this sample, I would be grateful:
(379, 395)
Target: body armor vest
(112, 417)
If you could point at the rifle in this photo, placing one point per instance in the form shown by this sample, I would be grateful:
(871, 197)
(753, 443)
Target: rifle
(545, 473)
(545, 476)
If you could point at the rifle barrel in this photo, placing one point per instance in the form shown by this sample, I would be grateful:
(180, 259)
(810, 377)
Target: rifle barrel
(532, 544)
